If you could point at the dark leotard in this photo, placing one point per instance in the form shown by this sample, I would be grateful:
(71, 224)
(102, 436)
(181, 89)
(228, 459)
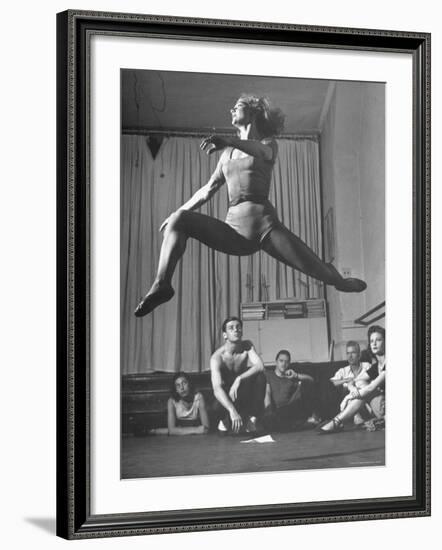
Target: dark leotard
(248, 182)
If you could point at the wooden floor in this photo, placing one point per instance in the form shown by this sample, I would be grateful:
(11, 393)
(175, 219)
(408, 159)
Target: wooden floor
(163, 456)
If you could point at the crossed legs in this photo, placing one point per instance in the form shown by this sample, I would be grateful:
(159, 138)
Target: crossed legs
(377, 405)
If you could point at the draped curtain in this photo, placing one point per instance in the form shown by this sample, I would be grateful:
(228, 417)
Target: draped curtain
(209, 286)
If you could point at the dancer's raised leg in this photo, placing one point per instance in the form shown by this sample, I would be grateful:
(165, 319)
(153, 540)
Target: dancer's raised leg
(182, 225)
(291, 250)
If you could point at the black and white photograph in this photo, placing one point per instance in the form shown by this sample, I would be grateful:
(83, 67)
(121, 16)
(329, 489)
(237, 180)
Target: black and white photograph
(182, 359)
(252, 274)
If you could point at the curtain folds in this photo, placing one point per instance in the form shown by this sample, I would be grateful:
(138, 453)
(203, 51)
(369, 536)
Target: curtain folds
(209, 286)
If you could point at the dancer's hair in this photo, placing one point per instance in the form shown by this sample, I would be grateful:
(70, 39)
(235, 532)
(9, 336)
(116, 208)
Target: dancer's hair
(173, 391)
(283, 352)
(232, 318)
(269, 120)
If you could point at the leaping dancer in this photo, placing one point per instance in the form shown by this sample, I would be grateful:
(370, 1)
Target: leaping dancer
(245, 165)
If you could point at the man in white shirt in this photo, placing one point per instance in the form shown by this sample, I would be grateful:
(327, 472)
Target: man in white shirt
(352, 375)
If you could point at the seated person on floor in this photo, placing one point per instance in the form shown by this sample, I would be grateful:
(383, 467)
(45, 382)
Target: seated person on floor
(352, 376)
(238, 381)
(372, 394)
(288, 399)
(186, 409)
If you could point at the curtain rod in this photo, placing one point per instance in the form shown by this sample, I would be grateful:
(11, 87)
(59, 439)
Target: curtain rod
(201, 132)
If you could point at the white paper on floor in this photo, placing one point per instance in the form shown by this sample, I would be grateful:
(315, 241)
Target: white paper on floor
(262, 439)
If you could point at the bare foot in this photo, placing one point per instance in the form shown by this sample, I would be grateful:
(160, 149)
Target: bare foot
(158, 294)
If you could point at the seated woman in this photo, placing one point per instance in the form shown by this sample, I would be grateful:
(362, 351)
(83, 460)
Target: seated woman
(186, 410)
(372, 393)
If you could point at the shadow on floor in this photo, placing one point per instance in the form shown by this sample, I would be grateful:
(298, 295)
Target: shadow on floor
(334, 455)
(46, 524)
(163, 456)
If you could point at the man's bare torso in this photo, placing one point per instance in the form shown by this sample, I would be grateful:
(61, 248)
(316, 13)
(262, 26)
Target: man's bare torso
(234, 363)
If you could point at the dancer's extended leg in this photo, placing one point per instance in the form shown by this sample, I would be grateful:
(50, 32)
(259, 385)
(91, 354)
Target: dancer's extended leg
(182, 225)
(291, 250)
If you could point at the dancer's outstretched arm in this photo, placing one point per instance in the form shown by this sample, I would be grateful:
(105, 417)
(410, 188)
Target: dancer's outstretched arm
(221, 395)
(205, 193)
(251, 147)
(256, 366)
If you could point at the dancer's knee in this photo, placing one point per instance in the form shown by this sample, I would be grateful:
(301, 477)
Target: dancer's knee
(177, 221)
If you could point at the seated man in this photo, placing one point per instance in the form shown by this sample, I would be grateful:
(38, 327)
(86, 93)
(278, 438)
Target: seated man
(238, 381)
(371, 392)
(288, 396)
(352, 376)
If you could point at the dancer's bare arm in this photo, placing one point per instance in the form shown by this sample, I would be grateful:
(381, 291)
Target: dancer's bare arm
(290, 373)
(252, 147)
(220, 394)
(256, 363)
(256, 366)
(363, 392)
(173, 429)
(204, 193)
(204, 416)
(268, 397)
(296, 396)
(340, 381)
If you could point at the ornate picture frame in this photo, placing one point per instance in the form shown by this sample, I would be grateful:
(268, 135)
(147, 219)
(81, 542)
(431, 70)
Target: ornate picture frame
(76, 517)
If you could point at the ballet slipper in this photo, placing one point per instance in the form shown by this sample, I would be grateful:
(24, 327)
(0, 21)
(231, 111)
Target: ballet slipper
(162, 293)
(336, 426)
(350, 284)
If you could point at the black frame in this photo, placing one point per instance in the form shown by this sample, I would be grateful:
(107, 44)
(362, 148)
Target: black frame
(74, 29)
